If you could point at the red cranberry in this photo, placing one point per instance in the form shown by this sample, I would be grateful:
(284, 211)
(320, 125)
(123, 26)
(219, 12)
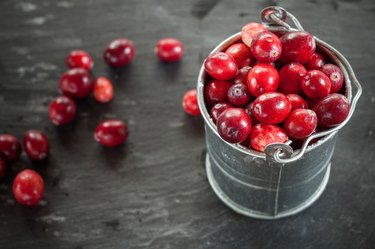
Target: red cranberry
(298, 46)
(76, 83)
(315, 84)
(262, 78)
(271, 63)
(316, 61)
(290, 78)
(234, 125)
(216, 92)
(264, 134)
(250, 30)
(103, 90)
(300, 123)
(242, 54)
(169, 49)
(218, 109)
(266, 47)
(10, 147)
(36, 145)
(336, 76)
(239, 95)
(241, 77)
(221, 66)
(79, 58)
(62, 110)
(111, 133)
(190, 103)
(3, 168)
(296, 101)
(332, 110)
(119, 52)
(271, 108)
(249, 111)
(28, 187)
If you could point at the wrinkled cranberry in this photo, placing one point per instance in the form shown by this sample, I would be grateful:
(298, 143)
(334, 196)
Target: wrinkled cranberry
(264, 134)
(241, 77)
(28, 187)
(10, 147)
(315, 84)
(336, 76)
(316, 61)
(216, 91)
(221, 66)
(79, 58)
(242, 54)
(169, 49)
(271, 108)
(332, 110)
(36, 145)
(239, 95)
(266, 47)
(111, 133)
(249, 111)
(250, 30)
(119, 52)
(290, 78)
(190, 103)
(262, 78)
(3, 168)
(103, 90)
(296, 101)
(300, 123)
(62, 110)
(76, 83)
(298, 46)
(217, 109)
(234, 125)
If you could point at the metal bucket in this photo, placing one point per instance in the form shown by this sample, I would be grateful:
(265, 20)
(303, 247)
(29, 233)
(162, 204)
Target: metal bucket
(279, 182)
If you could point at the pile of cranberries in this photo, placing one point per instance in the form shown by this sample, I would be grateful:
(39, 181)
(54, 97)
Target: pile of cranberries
(271, 88)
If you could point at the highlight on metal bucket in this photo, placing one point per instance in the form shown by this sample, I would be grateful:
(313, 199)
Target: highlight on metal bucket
(283, 179)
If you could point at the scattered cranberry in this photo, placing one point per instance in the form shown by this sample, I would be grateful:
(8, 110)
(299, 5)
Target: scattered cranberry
(103, 90)
(290, 78)
(79, 58)
(62, 110)
(242, 54)
(332, 110)
(264, 134)
(234, 125)
(298, 46)
(3, 168)
(10, 147)
(169, 49)
(239, 95)
(119, 52)
(111, 133)
(266, 47)
(190, 103)
(315, 84)
(76, 83)
(241, 77)
(336, 76)
(271, 108)
(28, 187)
(296, 101)
(249, 110)
(316, 61)
(262, 78)
(250, 30)
(216, 91)
(300, 123)
(221, 66)
(218, 109)
(36, 145)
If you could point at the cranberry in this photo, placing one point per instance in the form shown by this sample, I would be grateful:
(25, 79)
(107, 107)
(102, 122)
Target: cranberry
(190, 103)
(216, 92)
(28, 187)
(315, 84)
(336, 76)
(241, 77)
(250, 30)
(10, 147)
(296, 101)
(264, 134)
(103, 90)
(262, 78)
(221, 66)
(111, 133)
(169, 49)
(239, 95)
(298, 46)
(119, 52)
(316, 61)
(271, 108)
(36, 145)
(249, 111)
(218, 109)
(234, 125)
(300, 123)
(62, 110)
(76, 83)
(242, 54)
(266, 47)
(79, 58)
(290, 78)
(332, 110)
(3, 168)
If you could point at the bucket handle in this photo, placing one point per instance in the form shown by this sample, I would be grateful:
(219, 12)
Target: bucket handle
(282, 152)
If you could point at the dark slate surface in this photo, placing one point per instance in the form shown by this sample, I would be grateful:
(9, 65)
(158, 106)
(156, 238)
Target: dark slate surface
(153, 192)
